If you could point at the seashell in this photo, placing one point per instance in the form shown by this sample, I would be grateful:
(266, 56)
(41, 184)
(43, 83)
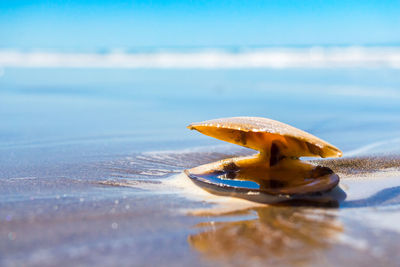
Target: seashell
(275, 173)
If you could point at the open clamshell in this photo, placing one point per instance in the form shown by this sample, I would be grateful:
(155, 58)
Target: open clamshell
(276, 172)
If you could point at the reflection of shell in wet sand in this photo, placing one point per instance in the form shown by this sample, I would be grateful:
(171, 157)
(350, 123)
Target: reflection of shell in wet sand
(287, 233)
(276, 170)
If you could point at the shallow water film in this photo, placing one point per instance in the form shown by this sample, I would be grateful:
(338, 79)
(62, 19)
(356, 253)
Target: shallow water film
(92, 161)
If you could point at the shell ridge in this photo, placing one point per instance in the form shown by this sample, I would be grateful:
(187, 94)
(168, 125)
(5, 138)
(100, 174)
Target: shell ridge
(215, 127)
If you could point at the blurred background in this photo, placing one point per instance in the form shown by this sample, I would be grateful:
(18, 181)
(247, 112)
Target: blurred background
(107, 77)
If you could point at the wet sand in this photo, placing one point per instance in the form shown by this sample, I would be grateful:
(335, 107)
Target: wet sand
(142, 205)
(93, 175)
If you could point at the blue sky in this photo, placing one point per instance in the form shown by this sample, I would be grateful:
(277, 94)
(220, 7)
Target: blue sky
(129, 24)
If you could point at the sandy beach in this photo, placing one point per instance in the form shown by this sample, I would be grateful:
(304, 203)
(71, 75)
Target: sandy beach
(91, 165)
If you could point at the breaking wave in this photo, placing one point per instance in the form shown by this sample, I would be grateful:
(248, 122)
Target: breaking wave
(313, 57)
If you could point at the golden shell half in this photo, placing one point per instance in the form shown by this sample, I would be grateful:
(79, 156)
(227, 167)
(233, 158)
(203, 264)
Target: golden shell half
(259, 133)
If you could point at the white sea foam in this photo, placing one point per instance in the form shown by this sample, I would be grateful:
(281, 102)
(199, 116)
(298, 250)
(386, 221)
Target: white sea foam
(315, 57)
(221, 204)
